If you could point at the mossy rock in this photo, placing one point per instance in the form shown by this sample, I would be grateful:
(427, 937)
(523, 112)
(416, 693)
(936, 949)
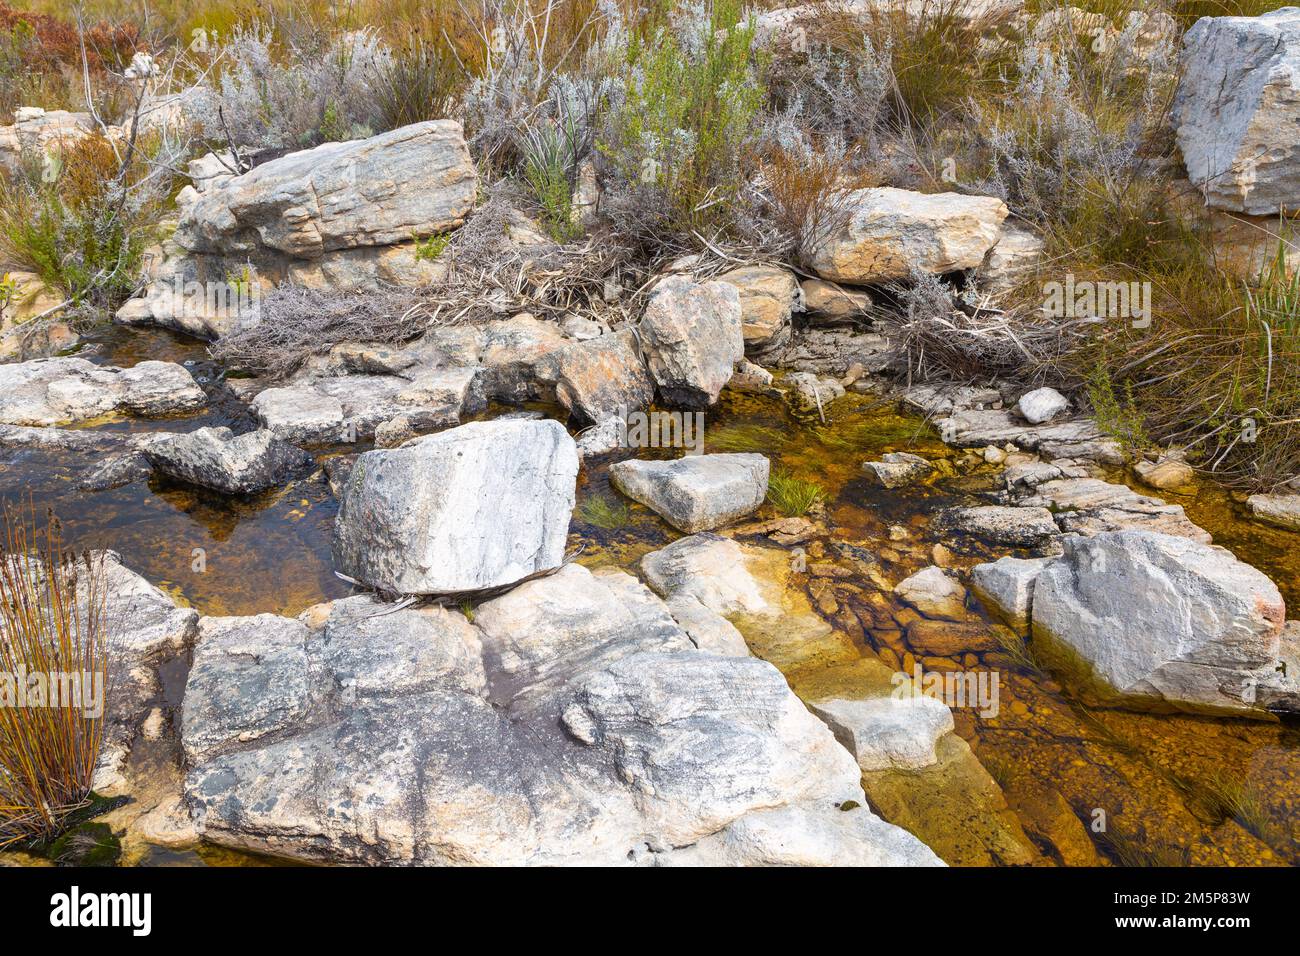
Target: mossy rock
(87, 844)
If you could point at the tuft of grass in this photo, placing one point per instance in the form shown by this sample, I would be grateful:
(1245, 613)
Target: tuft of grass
(52, 622)
(600, 511)
(792, 496)
(743, 437)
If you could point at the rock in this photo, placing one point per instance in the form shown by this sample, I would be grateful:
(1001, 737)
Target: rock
(1280, 510)
(28, 298)
(934, 594)
(169, 825)
(708, 630)
(1076, 438)
(417, 180)
(479, 506)
(888, 732)
(897, 469)
(602, 438)
(603, 378)
(572, 723)
(692, 337)
(1169, 473)
(55, 391)
(833, 352)
(807, 394)
(1022, 527)
(519, 355)
(1006, 587)
(1236, 108)
(1159, 618)
(696, 492)
(36, 133)
(768, 296)
(300, 414)
(749, 377)
(215, 458)
(1041, 405)
(891, 231)
(1014, 257)
(951, 639)
(829, 302)
(1090, 506)
(116, 471)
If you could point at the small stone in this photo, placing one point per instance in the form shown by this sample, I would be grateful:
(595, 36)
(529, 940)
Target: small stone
(1041, 405)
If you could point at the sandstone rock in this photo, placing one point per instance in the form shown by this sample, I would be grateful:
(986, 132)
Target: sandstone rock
(749, 377)
(888, 732)
(571, 723)
(1169, 473)
(416, 180)
(31, 297)
(692, 336)
(934, 594)
(36, 133)
(897, 469)
(478, 506)
(519, 356)
(829, 302)
(696, 492)
(602, 378)
(708, 630)
(768, 296)
(1090, 506)
(1162, 618)
(1280, 510)
(1041, 405)
(1237, 103)
(891, 231)
(1017, 252)
(215, 458)
(62, 390)
(1006, 587)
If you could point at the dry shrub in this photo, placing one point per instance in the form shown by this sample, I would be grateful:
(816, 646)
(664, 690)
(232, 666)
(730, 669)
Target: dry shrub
(52, 621)
(809, 195)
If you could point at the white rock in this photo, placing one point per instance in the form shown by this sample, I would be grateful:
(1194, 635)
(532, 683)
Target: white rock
(1162, 618)
(1006, 587)
(1041, 405)
(56, 391)
(696, 492)
(478, 506)
(934, 593)
(1236, 109)
(896, 469)
(692, 336)
(886, 732)
(1281, 510)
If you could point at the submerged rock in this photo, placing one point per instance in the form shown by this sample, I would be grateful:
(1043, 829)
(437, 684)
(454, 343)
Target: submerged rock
(891, 231)
(57, 391)
(218, 459)
(572, 723)
(479, 506)
(696, 492)
(1161, 618)
(897, 469)
(934, 593)
(692, 336)
(1022, 527)
(1280, 510)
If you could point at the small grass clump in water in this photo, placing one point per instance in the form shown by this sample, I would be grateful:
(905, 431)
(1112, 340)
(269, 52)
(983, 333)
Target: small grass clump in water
(742, 438)
(792, 496)
(603, 512)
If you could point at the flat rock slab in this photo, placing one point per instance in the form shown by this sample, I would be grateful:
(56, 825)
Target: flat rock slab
(1280, 510)
(572, 722)
(1090, 506)
(1073, 438)
(218, 459)
(1017, 527)
(697, 492)
(57, 391)
(478, 506)
(885, 732)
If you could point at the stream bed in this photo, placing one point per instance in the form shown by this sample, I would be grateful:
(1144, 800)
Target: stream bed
(1143, 789)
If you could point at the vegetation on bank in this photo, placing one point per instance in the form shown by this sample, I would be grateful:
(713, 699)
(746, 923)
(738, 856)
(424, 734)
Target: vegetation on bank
(708, 137)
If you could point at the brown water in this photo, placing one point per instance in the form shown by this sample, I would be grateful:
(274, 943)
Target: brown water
(1172, 788)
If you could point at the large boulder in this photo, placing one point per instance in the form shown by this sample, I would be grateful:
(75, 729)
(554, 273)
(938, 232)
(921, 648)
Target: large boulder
(1158, 618)
(478, 506)
(1236, 110)
(56, 391)
(416, 180)
(572, 722)
(890, 232)
(603, 378)
(218, 459)
(692, 336)
(696, 492)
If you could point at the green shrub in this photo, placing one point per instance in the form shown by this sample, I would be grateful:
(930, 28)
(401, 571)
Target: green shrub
(793, 496)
